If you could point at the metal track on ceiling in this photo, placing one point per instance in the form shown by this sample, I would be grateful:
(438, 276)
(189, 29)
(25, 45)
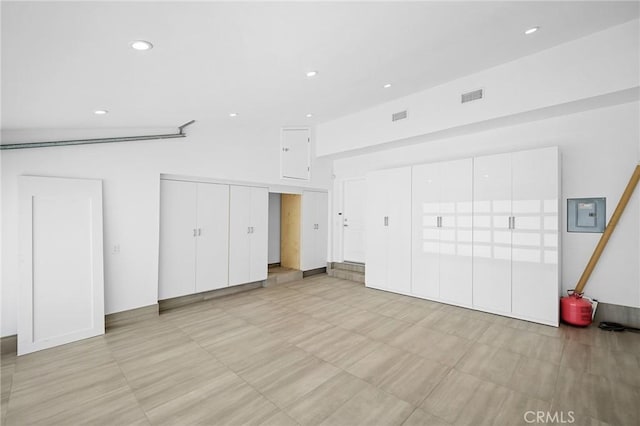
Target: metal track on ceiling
(181, 134)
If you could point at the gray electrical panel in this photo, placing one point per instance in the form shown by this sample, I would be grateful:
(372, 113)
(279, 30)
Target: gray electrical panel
(586, 214)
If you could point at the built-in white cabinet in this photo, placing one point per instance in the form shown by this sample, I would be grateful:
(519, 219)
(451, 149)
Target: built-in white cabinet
(314, 230)
(442, 231)
(515, 234)
(248, 234)
(194, 232)
(388, 230)
(480, 233)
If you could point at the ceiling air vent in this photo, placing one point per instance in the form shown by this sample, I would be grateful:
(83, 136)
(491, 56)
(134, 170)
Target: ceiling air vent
(472, 96)
(399, 115)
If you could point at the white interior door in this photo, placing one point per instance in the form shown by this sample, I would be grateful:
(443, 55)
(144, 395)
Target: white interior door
(295, 153)
(491, 233)
(259, 236)
(535, 234)
(212, 252)
(425, 279)
(62, 284)
(239, 233)
(456, 227)
(178, 233)
(353, 218)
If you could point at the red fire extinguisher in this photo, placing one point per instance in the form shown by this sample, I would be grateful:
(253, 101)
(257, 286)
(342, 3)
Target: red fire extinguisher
(575, 310)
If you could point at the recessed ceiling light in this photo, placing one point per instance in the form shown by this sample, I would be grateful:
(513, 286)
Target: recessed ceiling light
(312, 73)
(233, 114)
(309, 115)
(100, 112)
(141, 45)
(386, 86)
(531, 30)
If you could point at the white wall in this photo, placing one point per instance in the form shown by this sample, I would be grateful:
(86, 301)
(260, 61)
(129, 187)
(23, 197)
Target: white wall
(600, 149)
(600, 64)
(130, 172)
(274, 228)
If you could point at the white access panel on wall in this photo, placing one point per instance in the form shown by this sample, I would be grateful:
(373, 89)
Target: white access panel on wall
(535, 236)
(314, 232)
(388, 230)
(492, 233)
(248, 234)
(62, 286)
(295, 153)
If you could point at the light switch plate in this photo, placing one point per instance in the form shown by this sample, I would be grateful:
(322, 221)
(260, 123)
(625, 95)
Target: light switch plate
(586, 214)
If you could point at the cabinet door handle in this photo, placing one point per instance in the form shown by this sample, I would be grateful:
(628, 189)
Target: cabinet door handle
(386, 221)
(248, 229)
(252, 229)
(199, 231)
(513, 222)
(195, 232)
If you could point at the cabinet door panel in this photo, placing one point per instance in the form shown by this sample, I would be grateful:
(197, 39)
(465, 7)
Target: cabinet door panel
(399, 230)
(491, 233)
(456, 272)
(212, 254)
(239, 228)
(259, 234)
(177, 240)
(375, 231)
(308, 231)
(426, 188)
(535, 236)
(322, 230)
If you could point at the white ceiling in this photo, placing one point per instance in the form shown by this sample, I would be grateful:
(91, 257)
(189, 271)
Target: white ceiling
(62, 61)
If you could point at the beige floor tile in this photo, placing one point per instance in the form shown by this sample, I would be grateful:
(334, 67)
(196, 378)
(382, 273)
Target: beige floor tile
(320, 403)
(420, 417)
(594, 396)
(450, 397)
(432, 344)
(486, 362)
(339, 347)
(503, 337)
(280, 418)
(227, 400)
(520, 410)
(238, 350)
(535, 378)
(371, 406)
(283, 385)
(296, 327)
(484, 406)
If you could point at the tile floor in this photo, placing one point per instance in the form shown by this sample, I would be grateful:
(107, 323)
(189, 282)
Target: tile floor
(331, 352)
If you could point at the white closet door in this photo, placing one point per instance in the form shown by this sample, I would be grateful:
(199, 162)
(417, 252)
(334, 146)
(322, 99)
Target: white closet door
(322, 230)
(62, 286)
(376, 231)
(308, 231)
(535, 282)
(212, 254)
(491, 233)
(456, 272)
(239, 234)
(426, 184)
(399, 230)
(259, 236)
(178, 233)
